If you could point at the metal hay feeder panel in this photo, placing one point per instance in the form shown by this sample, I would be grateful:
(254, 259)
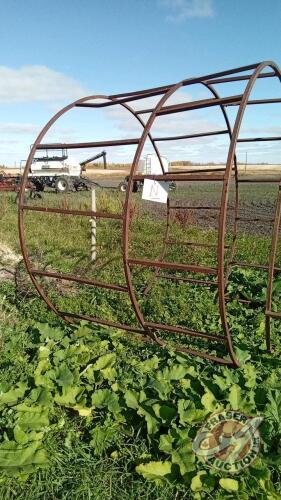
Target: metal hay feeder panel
(248, 74)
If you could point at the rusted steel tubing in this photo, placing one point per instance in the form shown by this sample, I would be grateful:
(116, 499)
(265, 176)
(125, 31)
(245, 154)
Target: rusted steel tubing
(145, 93)
(38, 140)
(260, 180)
(64, 211)
(135, 97)
(80, 145)
(192, 105)
(195, 207)
(255, 266)
(259, 139)
(180, 177)
(258, 101)
(190, 136)
(173, 265)
(204, 355)
(128, 201)
(188, 280)
(272, 269)
(238, 78)
(188, 81)
(199, 171)
(224, 202)
(273, 314)
(236, 208)
(231, 167)
(99, 321)
(256, 219)
(78, 279)
(194, 244)
(243, 301)
(184, 331)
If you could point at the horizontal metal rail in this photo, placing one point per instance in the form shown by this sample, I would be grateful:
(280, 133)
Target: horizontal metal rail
(258, 139)
(261, 180)
(190, 81)
(192, 105)
(255, 219)
(144, 92)
(190, 136)
(99, 321)
(188, 280)
(64, 211)
(193, 244)
(180, 177)
(173, 265)
(258, 101)
(273, 314)
(78, 279)
(204, 355)
(199, 171)
(129, 98)
(195, 207)
(81, 145)
(238, 78)
(255, 266)
(243, 301)
(184, 331)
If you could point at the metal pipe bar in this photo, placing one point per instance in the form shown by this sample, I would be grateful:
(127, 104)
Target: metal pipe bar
(144, 92)
(238, 78)
(104, 322)
(189, 81)
(173, 265)
(80, 145)
(260, 180)
(258, 101)
(259, 139)
(193, 244)
(184, 331)
(273, 314)
(209, 357)
(243, 301)
(189, 106)
(183, 207)
(135, 97)
(257, 266)
(78, 279)
(190, 136)
(256, 219)
(188, 280)
(180, 177)
(86, 213)
(198, 171)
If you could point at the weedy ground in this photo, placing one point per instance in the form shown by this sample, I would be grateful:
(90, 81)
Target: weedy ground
(88, 412)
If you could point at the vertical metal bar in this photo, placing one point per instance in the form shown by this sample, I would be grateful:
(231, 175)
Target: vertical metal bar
(275, 236)
(93, 228)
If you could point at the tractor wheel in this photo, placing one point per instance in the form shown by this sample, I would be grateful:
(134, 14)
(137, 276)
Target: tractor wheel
(62, 185)
(123, 187)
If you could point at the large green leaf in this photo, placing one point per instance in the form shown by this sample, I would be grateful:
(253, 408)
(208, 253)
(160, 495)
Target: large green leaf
(156, 471)
(105, 398)
(12, 396)
(105, 361)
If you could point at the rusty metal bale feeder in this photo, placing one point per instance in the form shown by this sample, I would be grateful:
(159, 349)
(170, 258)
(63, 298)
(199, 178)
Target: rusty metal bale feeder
(249, 74)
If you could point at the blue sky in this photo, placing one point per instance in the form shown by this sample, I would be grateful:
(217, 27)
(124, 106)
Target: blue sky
(56, 51)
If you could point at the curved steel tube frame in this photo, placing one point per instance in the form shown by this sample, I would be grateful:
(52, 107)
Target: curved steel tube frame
(222, 270)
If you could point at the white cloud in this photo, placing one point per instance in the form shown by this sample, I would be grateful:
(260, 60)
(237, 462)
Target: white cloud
(180, 10)
(37, 84)
(18, 128)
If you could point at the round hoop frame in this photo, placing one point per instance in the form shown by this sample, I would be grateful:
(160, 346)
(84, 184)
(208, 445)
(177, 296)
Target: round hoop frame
(223, 176)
